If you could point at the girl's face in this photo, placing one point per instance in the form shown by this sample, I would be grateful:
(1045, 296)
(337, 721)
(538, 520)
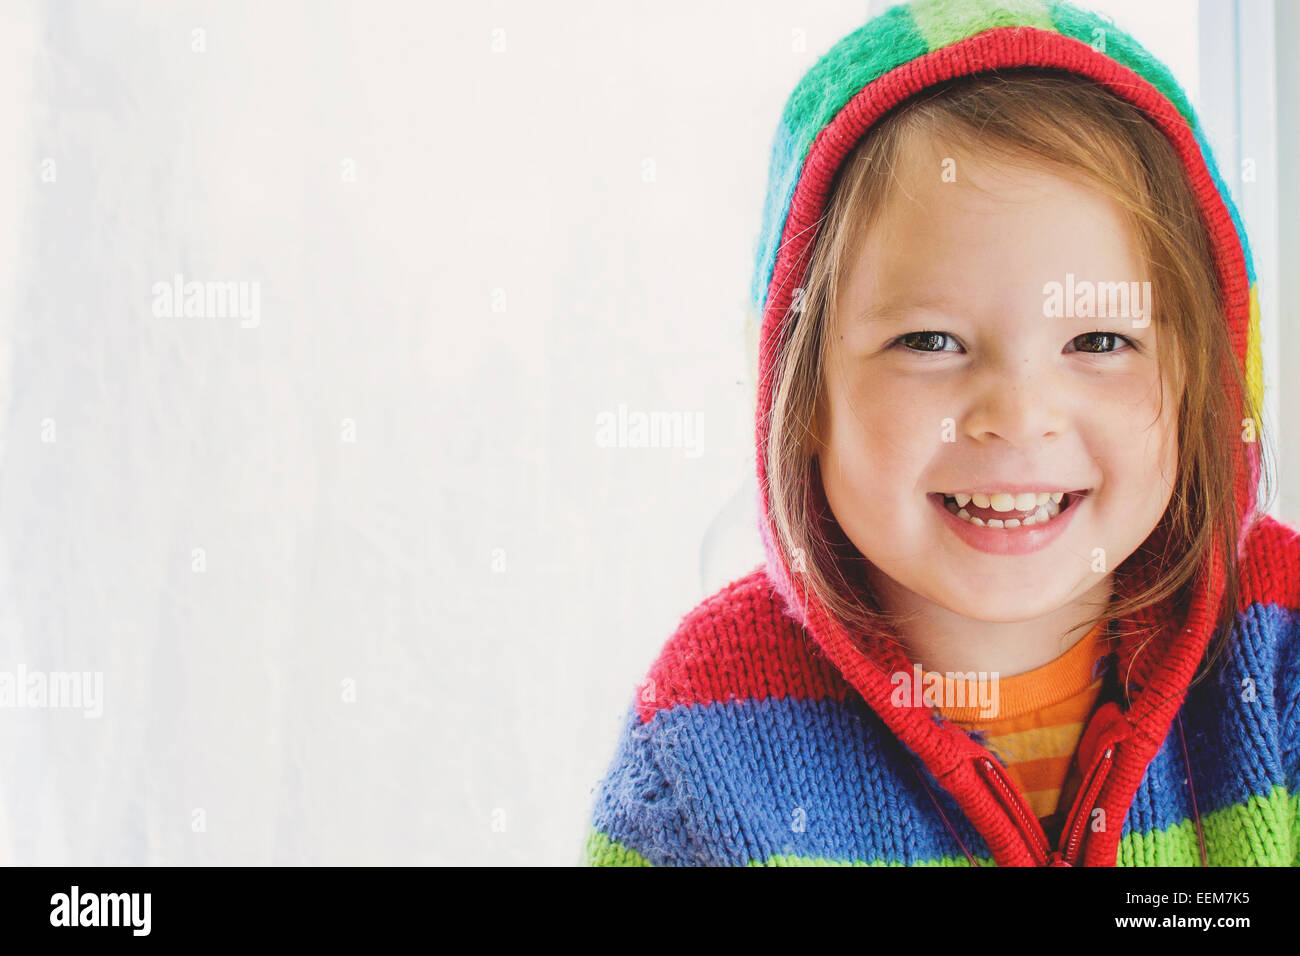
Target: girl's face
(946, 375)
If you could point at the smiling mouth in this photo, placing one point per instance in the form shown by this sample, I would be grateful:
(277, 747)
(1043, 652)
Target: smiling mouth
(1011, 511)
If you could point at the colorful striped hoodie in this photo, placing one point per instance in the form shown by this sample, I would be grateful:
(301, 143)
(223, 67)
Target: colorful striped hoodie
(764, 735)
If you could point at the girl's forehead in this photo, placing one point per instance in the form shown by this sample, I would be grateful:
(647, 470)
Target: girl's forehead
(939, 230)
(1004, 210)
(961, 175)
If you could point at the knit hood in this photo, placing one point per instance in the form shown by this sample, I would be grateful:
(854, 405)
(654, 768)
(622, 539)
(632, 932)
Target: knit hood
(908, 48)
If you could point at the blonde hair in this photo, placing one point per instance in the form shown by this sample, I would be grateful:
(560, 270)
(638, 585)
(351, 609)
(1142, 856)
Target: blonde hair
(1074, 125)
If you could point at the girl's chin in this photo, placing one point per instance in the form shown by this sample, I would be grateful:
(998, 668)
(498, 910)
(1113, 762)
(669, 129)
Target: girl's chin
(1001, 603)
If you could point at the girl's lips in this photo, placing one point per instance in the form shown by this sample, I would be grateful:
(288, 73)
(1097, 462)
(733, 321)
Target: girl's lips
(1011, 541)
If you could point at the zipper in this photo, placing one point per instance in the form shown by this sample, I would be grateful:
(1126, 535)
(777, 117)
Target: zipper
(1020, 814)
(1023, 816)
(1080, 822)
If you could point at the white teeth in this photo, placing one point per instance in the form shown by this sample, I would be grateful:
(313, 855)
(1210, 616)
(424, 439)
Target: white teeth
(1006, 501)
(1002, 502)
(1044, 506)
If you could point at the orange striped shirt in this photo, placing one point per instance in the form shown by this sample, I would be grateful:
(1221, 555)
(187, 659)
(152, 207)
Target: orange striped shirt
(1040, 719)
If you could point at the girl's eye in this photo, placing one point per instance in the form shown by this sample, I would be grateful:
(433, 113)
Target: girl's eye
(924, 341)
(1090, 343)
(1101, 341)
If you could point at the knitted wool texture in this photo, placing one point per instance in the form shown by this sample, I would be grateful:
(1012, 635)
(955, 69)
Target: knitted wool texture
(763, 735)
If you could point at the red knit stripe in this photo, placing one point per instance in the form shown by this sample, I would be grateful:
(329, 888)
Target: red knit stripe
(738, 644)
(1270, 571)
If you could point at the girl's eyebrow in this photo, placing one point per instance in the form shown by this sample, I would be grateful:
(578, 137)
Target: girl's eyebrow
(894, 312)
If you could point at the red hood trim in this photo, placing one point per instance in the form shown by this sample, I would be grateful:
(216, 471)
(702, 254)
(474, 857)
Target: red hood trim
(1161, 673)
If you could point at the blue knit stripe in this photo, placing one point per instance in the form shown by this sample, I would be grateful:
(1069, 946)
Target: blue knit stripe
(792, 763)
(811, 778)
(635, 807)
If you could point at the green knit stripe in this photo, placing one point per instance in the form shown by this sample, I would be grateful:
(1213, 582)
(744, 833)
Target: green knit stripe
(1104, 37)
(880, 45)
(602, 851)
(1260, 831)
(943, 22)
(781, 859)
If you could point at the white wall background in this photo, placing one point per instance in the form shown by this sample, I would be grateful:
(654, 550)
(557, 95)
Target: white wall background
(497, 274)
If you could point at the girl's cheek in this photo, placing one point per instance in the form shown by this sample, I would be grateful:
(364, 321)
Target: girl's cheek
(876, 391)
(1129, 397)
(893, 434)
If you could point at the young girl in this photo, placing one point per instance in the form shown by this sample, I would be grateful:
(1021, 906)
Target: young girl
(1021, 605)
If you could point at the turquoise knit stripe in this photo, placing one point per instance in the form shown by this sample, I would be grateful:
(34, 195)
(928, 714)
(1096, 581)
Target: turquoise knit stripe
(1102, 35)
(784, 177)
(870, 51)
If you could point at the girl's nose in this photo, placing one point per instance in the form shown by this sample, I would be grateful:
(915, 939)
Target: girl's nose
(1020, 406)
